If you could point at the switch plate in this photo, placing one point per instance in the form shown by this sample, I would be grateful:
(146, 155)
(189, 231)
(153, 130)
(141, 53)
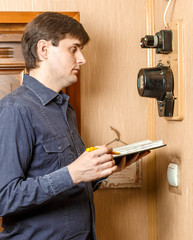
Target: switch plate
(172, 175)
(175, 60)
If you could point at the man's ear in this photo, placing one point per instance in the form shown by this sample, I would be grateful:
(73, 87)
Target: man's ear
(42, 47)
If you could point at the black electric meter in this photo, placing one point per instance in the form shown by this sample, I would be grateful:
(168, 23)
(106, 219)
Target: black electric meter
(158, 83)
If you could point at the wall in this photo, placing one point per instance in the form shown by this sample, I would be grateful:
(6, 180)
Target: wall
(109, 98)
(174, 211)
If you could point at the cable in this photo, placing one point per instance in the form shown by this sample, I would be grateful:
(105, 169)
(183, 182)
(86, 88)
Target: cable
(166, 12)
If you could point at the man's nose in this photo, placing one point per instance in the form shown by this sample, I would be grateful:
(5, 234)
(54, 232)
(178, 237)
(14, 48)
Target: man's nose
(80, 59)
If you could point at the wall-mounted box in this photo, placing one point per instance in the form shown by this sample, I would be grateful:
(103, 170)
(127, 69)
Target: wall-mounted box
(175, 60)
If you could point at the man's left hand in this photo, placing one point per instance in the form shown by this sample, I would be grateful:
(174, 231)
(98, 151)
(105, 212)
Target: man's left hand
(125, 162)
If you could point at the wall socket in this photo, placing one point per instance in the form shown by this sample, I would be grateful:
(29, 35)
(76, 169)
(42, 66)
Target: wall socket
(175, 60)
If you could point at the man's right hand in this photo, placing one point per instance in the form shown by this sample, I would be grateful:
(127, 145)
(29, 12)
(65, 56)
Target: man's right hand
(93, 165)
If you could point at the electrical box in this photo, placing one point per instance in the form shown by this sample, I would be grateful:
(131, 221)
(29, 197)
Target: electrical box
(175, 61)
(165, 81)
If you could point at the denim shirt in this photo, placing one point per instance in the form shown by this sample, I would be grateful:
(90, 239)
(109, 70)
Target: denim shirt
(38, 140)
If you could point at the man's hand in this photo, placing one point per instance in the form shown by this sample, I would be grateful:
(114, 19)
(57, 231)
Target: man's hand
(127, 162)
(92, 165)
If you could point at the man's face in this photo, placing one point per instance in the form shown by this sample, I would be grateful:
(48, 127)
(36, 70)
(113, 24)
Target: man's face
(64, 61)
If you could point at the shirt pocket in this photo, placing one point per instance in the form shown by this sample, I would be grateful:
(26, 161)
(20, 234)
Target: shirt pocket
(57, 154)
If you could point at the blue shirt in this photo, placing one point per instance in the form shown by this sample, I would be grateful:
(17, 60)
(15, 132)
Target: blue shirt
(38, 140)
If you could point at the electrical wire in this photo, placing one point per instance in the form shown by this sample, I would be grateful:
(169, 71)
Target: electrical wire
(166, 12)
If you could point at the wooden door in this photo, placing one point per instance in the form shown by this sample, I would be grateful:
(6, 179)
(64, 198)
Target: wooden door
(12, 65)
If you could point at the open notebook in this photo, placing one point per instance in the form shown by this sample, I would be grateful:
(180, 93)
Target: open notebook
(138, 147)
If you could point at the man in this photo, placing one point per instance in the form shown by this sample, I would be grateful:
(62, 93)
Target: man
(47, 177)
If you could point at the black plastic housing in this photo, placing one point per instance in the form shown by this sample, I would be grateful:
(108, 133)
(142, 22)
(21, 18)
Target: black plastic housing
(162, 41)
(158, 83)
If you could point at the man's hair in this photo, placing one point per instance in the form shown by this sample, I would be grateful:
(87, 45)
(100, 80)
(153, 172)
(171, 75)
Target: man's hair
(50, 26)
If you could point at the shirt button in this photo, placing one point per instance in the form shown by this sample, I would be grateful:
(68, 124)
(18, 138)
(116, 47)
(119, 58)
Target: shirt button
(58, 97)
(60, 148)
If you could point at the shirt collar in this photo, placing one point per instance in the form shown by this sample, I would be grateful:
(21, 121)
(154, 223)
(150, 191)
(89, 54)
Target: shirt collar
(45, 94)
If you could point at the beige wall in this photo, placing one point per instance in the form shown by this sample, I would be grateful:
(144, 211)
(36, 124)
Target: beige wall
(174, 211)
(109, 98)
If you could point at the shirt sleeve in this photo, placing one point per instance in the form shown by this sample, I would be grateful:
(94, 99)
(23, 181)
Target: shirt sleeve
(96, 184)
(17, 192)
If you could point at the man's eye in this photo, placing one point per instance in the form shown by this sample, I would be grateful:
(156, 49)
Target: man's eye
(73, 50)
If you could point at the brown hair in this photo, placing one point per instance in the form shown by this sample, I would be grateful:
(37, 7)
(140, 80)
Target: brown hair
(50, 26)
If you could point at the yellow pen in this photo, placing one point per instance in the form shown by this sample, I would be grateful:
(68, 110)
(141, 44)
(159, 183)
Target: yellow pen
(90, 149)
